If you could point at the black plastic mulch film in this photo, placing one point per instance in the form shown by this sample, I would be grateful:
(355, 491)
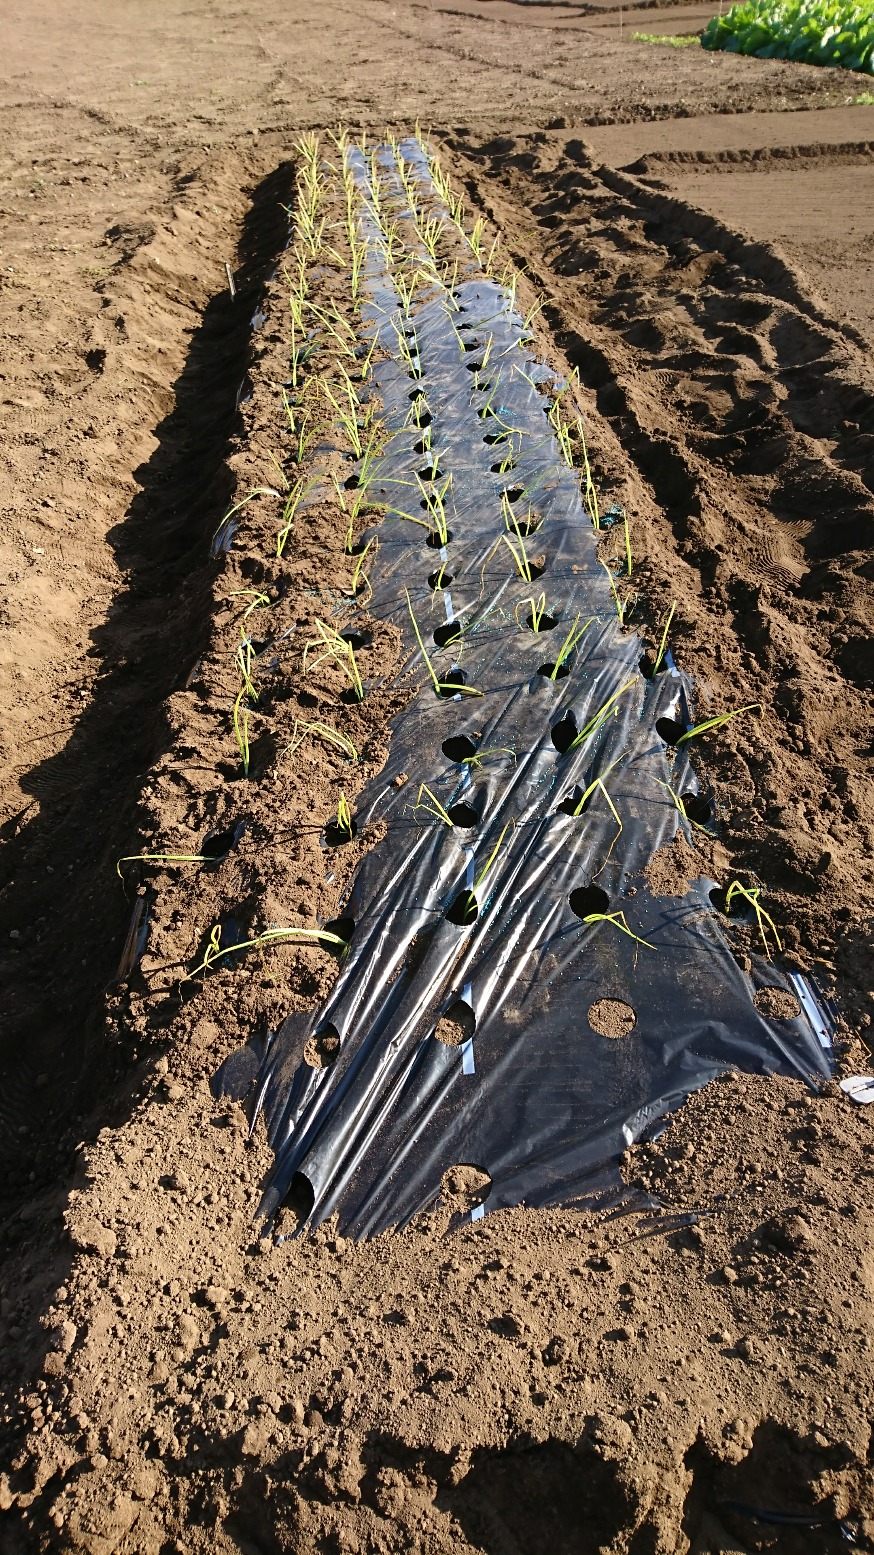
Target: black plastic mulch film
(532, 1094)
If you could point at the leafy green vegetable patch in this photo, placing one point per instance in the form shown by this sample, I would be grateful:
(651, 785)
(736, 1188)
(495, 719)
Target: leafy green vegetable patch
(817, 32)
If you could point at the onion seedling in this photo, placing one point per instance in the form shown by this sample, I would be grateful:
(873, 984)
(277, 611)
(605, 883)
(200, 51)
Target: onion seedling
(466, 905)
(621, 604)
(442, 688)
(600, 718)
(337, 648)
(434, 498)
(343, 820)
(357, 571)
(536, 611)
(435, 807)
(681, 808)
(245, 656)
(299, 491)
(215, 951)
(751, 894)
(520, 556)
(663, 643)
(599, 783)
(258, 600)
(241, 729)
(159, 858)
(619, 921)
(324, 732)
(259, 491)
(571, 642)
(716, 723)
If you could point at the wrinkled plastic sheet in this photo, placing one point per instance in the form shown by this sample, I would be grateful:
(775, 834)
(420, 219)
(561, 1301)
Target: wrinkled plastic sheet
(533, 1096)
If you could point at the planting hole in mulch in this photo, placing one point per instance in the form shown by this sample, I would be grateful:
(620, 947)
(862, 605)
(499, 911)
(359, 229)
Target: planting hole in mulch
(777, 1003)
(451, 681)
(464, 910)
(536, 565)
(544, 623)
(343, 928)
(740, 907)
(464, 816)
(297, 1206)
(698, 808)
(549, 672)
(647, 667)
(612, 1018)
(458, 747)
(513, 493)
(322, 1047)
(217, 845)
(588, 899)
(503, 466)
(435, 540)
(456, 1025)
(450, 632)
(670, 729)
(439, 580)
(564, 733)
(466, 1186)
(337, 836)
(355, 640)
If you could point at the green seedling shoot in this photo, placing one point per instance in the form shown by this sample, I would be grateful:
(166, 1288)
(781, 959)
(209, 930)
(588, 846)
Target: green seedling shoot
(245, 657)
(435, 499)
(298, 492)
(259, 491)
(621, 604)
(619, 921)
(435, 807)
(340, 651)
(570, 644)
(358, 572)
(241, 728)
(604, 712)
(159, 858)
(259, 601)
(469, 898)
(716, 723)
(324, 732)
(343, 820)
(751, 894)
(681, 808)
(440, 687)
(664, 642)
(214, 951)
(520, 556)
(536, 611)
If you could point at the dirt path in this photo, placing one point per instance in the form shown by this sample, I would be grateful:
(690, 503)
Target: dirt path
(428, 1393)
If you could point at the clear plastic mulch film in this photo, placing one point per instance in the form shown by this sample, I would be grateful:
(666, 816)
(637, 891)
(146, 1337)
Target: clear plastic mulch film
(461, 1028)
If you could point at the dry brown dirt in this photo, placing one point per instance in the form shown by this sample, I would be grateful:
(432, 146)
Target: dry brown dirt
(698, 228)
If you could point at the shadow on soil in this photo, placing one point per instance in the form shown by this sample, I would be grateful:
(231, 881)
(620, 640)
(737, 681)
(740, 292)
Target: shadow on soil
(57, 860)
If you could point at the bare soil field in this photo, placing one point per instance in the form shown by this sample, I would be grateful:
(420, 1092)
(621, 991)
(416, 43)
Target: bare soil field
(697, 229)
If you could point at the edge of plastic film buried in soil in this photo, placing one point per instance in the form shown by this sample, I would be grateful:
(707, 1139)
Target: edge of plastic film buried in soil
(506, 927)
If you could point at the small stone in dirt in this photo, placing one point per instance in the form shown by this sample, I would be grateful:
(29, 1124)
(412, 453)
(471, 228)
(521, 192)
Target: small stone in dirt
(555, 1352)
(401, 779)
(255, 1438)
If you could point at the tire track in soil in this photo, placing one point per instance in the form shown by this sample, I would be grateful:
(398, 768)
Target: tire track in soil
(721, 402)
(52, 1053)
